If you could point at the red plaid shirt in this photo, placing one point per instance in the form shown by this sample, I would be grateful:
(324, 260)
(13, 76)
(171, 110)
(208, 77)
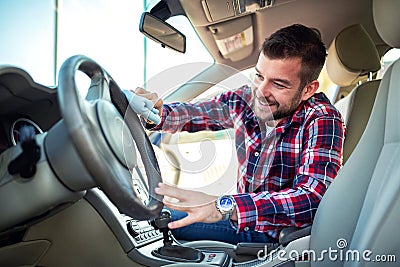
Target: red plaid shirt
(282, 174)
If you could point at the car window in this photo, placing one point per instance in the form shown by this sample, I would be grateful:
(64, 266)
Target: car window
(235, 81)
(206, 158)
(28, 35)
(106, 31)
(389, 57)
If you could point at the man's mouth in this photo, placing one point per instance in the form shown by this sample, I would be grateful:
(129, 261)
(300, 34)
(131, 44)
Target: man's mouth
(264, 102)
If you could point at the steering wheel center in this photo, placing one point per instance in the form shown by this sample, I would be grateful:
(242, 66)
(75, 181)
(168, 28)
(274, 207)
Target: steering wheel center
(117, 134)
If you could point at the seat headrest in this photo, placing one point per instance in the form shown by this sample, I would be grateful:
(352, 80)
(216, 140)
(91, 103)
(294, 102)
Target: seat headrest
(387, 20)
(351, 54)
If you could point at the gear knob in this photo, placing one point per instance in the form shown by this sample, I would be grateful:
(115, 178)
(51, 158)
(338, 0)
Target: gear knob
(162, 221)
(169, 251)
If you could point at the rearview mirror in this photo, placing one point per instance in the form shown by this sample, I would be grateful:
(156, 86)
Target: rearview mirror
(162, 32)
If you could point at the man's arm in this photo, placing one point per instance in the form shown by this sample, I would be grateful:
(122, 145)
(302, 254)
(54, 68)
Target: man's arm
(215, 114)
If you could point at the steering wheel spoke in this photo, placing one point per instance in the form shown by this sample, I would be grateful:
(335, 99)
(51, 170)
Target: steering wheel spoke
(99, 88)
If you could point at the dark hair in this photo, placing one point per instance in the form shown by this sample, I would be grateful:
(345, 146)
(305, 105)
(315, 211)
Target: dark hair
(298, 41)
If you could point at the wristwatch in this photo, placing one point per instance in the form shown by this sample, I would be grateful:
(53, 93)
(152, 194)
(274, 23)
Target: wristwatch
(225, 205)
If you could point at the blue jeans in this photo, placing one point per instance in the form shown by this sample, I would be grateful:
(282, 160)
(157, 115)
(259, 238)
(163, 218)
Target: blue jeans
(220, 231)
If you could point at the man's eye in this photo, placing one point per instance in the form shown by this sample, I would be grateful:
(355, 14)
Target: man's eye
(278, 85)
(259, 76)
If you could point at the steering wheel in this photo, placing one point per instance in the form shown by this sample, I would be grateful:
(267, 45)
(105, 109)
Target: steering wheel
(104, 131)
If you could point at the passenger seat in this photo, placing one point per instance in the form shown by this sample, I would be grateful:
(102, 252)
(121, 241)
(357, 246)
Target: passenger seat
(353, 54)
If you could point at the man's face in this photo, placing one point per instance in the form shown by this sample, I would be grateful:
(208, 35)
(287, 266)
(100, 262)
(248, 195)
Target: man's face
(276, 88)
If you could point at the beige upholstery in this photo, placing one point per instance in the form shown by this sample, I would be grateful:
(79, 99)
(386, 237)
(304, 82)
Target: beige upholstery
(356, 109)
(384, 17)
(351, 54)
(362, 206)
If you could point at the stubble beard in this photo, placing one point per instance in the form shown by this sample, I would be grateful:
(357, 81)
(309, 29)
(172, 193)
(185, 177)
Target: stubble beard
(264, 113)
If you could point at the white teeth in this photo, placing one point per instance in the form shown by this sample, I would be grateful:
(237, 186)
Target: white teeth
(263, 103)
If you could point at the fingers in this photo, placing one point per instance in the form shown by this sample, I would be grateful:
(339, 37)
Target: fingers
(174, 198)
(146, 94)
(199, 206)
(140, 90)
(181, 223)
(158, 105)
(183, 199)
(170, 191)
(157, 102)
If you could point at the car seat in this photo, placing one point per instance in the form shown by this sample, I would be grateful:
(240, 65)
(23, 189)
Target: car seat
(353, 54)
(361, 209)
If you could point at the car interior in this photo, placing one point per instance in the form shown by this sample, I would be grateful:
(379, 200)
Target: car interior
(353, 54)
(77, 173)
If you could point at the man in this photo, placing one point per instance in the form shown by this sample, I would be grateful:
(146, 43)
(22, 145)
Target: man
(283, 106)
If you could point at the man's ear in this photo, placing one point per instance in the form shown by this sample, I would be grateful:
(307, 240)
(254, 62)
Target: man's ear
(310, 89)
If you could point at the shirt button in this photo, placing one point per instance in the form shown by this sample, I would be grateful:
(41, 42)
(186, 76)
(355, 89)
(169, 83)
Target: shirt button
(246, 229)
(256, 154)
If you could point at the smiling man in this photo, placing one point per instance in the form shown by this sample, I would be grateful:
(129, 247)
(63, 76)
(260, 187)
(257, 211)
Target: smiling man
(289, 142)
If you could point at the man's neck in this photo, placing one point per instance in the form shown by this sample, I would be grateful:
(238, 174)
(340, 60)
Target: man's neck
(267, 126)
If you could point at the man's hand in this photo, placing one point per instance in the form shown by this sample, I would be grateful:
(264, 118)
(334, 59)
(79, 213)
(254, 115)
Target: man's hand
(199, 206)
(143, 106)
(151, 96)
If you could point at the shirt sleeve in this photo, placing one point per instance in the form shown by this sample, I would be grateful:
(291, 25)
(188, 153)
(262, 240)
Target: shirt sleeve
(321, 160)
(215, 114)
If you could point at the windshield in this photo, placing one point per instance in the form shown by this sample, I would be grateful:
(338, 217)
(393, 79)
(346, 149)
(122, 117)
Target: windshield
(39, 36)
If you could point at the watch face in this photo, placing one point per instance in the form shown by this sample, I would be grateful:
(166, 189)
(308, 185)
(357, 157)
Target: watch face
(226, 203)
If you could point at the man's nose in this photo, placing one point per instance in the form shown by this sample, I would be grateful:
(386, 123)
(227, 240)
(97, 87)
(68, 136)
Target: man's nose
(263, 90)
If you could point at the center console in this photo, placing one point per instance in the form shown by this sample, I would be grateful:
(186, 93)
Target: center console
(142, 232)
(149, 242)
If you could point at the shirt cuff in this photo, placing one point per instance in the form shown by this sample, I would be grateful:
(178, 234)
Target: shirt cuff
(246, 212)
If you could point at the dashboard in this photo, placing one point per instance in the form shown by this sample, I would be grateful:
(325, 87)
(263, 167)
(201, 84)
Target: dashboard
(24, 102)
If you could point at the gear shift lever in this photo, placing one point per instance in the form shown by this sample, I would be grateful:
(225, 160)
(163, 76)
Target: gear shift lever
(161, 223)
(169, 251)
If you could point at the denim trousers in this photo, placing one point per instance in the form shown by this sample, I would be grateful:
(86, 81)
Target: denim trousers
(219, 231)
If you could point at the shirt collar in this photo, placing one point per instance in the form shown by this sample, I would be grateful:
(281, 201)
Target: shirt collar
(298, 116)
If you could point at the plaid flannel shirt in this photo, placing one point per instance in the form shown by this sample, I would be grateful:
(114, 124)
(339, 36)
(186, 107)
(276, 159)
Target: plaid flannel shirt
(282, 174)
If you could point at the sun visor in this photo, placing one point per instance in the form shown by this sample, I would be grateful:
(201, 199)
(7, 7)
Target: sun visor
(216, 10)
(234, 38)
